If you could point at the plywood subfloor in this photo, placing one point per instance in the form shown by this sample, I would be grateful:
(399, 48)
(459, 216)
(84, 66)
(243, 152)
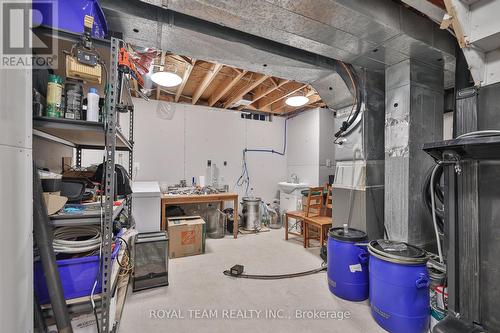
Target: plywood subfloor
(197, 283)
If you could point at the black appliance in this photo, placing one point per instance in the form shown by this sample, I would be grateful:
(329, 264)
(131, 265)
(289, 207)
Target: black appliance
(150, 260)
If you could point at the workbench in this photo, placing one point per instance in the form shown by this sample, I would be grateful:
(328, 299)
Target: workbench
(172, 199)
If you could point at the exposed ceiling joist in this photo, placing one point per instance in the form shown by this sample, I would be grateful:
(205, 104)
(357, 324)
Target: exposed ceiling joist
(213, 84)
(264, 92)
(185, 77)
(224, 87)
(206, 82)
(246, 89)
(292, 88)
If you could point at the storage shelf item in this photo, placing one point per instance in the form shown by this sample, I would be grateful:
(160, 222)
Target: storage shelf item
(86, 217)
(77, 276)
(80, 273)
(480, 148)
(82, 133)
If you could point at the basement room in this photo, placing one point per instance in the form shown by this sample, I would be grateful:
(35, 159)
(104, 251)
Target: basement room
(257, 166)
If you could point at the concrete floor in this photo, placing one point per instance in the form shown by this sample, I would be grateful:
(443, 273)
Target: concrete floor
(197, 284)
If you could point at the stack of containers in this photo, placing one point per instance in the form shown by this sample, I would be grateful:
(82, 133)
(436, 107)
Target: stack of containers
(392, 274)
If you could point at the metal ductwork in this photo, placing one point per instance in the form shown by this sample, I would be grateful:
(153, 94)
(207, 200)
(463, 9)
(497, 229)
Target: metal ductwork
(295, 40)
(371, 34)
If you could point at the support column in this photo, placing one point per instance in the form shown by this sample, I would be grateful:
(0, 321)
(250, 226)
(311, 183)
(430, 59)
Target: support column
(413, 116)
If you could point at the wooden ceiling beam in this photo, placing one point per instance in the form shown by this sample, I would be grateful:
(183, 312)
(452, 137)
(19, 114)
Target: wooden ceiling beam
(209, 77)
(185, 77)
(246, 89)
(224, 87)
(264, 93)
(294, 87)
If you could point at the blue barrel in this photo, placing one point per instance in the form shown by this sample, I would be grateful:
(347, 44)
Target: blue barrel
(399, 281)
(347, 269)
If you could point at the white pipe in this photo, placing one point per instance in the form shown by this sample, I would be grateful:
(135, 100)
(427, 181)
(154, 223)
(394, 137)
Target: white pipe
(434, 221)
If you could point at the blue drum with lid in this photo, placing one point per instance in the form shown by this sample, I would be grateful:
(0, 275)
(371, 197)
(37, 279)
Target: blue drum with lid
(399, 281)
(347, 269)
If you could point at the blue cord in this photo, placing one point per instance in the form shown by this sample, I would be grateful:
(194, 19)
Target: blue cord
(245, 177)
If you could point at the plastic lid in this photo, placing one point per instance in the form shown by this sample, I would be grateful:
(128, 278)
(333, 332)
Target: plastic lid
(399, 251)
(93, 90)
(352, 235)
(251, 199)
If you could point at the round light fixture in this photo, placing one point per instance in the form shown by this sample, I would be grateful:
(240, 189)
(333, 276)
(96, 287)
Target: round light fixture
(166, 79)
(297, 100)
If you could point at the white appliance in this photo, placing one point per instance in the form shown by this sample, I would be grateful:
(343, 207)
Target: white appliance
(146, 206)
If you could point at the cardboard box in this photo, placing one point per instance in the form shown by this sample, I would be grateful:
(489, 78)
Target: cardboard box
(54, 202)
(186, 236)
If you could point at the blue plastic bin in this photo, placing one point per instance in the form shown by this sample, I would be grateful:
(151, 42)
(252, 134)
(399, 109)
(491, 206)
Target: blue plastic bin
(69, 15)
(77, 277)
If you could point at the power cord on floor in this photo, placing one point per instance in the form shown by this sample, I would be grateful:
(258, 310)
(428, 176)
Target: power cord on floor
(237, 272)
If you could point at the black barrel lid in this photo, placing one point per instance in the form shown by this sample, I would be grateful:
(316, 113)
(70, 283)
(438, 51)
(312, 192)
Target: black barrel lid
(352, 235)
(397, 250)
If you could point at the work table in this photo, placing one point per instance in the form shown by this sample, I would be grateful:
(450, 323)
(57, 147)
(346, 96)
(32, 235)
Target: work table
(174, 199)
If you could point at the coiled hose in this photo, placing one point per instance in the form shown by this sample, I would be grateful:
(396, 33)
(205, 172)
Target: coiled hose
(77, 239)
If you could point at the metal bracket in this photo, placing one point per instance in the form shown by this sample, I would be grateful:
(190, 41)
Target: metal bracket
(78, 157)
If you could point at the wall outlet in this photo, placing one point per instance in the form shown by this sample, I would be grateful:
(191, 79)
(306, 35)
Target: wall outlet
(137, 166)
(328, 162)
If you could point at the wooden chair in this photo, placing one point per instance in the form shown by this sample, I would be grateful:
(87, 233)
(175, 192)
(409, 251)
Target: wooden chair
(312, 208)
(320, 223)
(329, 201)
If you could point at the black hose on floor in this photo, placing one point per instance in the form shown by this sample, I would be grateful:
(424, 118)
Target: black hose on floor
(276, 277)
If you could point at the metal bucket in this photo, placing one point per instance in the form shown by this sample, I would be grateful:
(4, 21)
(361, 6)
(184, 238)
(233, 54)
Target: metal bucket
(251, 213)
(216, 223)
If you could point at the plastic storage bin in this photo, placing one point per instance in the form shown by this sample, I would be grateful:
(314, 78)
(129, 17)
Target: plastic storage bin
(77, 276)
(70, 15)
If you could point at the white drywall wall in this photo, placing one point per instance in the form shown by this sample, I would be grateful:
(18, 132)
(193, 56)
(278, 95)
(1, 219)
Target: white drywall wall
(303, 147)
(310, 145)
(168, 150)
(175, 149)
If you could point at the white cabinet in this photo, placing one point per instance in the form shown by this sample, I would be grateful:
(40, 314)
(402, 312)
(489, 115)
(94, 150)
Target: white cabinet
(290, 201)
(146, 206)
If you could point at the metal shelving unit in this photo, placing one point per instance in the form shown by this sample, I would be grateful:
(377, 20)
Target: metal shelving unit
(80, 134)
(107, 136)
(483, 148)
(90, 216)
